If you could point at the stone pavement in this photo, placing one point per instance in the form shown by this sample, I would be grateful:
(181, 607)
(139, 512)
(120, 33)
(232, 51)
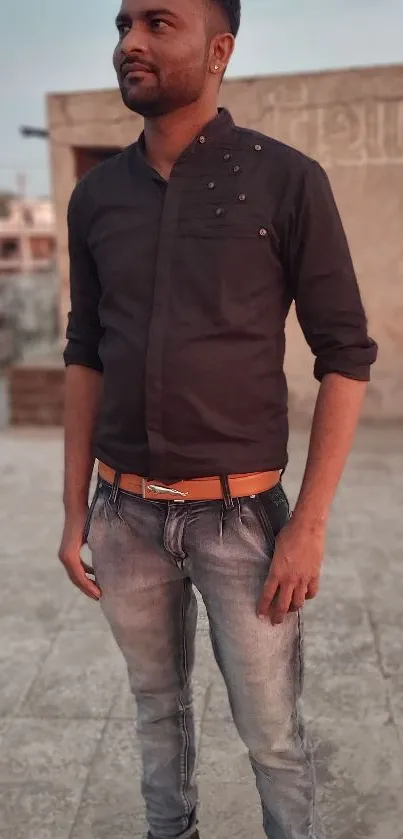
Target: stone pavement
(69, 765)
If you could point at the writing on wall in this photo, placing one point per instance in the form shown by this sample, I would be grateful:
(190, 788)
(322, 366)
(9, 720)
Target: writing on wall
(361, 133)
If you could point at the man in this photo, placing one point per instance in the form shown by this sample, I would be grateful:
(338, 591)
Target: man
(187, 251)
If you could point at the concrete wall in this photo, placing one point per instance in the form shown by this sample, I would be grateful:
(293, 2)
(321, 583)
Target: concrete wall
(28, 314)
(352, 122)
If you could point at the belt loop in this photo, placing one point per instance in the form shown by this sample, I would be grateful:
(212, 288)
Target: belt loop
(226, 493)
(114, 493)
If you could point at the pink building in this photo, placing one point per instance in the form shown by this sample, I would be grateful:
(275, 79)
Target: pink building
(27, 236)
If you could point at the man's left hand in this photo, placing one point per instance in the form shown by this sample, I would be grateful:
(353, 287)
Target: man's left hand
(295, 569)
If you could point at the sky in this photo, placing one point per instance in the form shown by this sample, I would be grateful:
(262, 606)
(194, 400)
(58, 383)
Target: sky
(55, 46)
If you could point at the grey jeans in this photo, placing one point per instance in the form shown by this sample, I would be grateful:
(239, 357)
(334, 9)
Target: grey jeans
(147, 558)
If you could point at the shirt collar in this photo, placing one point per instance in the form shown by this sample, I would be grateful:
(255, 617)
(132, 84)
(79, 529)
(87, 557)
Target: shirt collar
(216, 129)
(213, 132)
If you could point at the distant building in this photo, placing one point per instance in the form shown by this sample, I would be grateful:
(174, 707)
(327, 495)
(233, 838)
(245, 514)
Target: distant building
(28, 236)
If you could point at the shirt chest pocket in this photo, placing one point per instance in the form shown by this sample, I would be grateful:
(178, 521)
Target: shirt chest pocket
(228, 253)
(224, 218)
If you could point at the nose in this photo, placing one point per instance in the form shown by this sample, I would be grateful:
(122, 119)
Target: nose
(134, 41)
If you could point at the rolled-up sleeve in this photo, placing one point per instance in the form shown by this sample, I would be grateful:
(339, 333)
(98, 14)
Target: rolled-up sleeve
(84, 331)
(324, 285)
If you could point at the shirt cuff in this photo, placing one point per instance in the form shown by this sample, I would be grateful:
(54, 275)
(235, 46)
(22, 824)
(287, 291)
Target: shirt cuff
(350, 362)
(83, 356)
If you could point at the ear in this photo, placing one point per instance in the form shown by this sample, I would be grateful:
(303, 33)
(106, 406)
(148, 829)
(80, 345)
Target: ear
(221, 49)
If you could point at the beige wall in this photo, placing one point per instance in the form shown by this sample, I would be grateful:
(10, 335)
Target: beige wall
(352, 122)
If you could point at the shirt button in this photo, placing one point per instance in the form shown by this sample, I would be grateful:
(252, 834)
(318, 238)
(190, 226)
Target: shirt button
(219, 211)
(263, 231)
(227, 156)
(242, 196)
(211, 185)
(236, 169)
(258, 147)
(202, 139)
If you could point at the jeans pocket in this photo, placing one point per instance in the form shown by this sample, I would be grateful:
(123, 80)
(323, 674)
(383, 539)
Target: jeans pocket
(265, 522)
(87, 525)
(273, 510)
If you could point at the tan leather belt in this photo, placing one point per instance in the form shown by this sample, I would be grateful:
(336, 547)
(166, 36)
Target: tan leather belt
(196, 489)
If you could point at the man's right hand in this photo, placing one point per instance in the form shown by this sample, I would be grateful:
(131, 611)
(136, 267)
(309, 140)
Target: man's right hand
(70, 555)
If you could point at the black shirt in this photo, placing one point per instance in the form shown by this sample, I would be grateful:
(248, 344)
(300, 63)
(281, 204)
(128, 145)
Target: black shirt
(179, 295)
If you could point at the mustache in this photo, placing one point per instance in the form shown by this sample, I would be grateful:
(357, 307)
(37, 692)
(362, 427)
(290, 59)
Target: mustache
(129, 64)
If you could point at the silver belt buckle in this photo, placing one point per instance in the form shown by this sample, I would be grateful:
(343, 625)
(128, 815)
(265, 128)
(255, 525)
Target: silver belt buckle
(175, 494)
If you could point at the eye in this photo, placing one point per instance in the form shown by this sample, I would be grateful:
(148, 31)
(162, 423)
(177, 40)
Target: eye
(157, 24)
(123, 29)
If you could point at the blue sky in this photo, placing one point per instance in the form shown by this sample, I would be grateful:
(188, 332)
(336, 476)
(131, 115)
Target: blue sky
(59, 46)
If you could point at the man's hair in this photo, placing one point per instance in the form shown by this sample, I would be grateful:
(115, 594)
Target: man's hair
(232, 11)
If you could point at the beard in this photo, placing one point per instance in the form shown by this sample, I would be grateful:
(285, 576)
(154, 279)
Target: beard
(160, 99)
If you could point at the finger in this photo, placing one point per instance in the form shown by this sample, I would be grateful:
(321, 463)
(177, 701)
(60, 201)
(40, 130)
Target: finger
(87, 594)
(267, 597)
(312, 589)
(298, 598)
(281, 606)
(87, 568)
(86, 586)
(89, 586)
(78, 577)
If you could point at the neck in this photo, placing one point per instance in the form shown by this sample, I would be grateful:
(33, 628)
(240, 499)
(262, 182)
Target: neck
(168, 136)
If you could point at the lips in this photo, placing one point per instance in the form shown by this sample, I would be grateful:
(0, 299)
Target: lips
(129, 69)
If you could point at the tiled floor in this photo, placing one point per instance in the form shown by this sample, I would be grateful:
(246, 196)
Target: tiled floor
(69, 764)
